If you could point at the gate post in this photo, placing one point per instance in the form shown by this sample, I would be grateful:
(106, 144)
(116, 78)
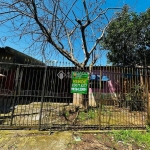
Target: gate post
(42, 97)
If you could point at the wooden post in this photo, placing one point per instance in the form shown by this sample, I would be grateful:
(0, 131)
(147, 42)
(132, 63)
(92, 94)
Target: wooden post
(78, 100)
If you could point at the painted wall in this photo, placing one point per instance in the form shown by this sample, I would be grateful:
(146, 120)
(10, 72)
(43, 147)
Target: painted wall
(110, 86)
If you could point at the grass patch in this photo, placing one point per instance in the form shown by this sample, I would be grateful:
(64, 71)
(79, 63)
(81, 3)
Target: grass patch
(82, 116)
(142, 139)
(91, 114)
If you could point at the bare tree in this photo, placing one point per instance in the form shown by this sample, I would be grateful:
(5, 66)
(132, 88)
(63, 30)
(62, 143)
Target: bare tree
(73, 27)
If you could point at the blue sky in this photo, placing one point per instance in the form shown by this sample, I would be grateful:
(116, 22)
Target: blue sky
(135, 5)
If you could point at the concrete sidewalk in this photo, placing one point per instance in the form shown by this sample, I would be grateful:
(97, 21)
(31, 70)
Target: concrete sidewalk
(34, 140)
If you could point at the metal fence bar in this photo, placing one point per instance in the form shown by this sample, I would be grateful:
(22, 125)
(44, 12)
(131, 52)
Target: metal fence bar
(42, 96)
(15, 94)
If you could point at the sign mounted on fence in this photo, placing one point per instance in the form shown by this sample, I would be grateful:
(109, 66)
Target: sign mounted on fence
(80, 82)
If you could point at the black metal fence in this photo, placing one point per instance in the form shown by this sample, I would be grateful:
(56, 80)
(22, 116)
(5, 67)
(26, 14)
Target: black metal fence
(33, 96)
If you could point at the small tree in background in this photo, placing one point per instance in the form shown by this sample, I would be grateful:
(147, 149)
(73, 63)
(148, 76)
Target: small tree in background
(128, 39)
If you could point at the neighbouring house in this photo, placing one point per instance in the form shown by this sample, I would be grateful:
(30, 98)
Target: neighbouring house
(11, 62)
(10, 55)
(9, 70)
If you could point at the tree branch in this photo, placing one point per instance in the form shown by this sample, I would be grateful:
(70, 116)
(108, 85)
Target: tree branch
(100, 37)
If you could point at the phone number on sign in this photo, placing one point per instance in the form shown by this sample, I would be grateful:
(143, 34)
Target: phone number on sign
(78, 89)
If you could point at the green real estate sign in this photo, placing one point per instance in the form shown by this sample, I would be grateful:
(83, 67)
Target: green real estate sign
(79, 82)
